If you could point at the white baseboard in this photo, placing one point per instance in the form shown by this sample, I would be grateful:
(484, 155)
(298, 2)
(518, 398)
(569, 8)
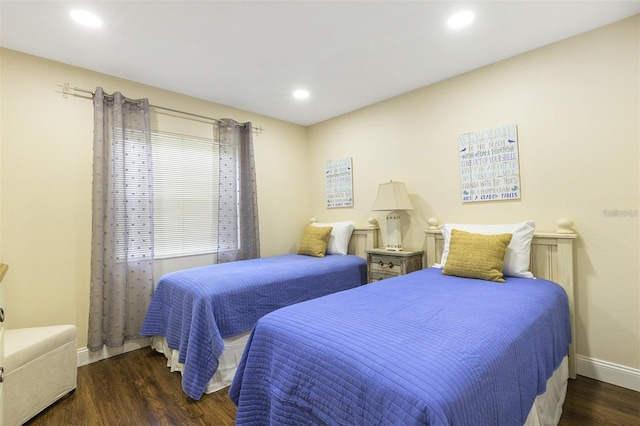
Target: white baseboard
(608, 372)
(85, 356)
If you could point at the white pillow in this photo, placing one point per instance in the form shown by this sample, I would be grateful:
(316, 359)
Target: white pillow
(517, 258)
(340, 236)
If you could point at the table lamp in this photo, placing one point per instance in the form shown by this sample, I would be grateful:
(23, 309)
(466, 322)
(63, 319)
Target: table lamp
(393, 197)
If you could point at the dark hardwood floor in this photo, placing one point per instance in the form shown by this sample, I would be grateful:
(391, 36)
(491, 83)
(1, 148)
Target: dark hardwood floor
(137, 388)
(591, 402)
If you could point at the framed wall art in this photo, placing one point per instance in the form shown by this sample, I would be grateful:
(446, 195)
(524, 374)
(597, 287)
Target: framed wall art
(339, 183)
(489, 168)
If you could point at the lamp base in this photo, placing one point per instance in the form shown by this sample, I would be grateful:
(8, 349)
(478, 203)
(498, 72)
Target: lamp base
(394, 232)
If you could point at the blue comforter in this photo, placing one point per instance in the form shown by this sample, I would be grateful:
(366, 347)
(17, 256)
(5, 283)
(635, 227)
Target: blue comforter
(196, 308)
(423, 348)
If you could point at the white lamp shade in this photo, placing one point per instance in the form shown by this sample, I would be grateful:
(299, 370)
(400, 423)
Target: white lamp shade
(392, 196)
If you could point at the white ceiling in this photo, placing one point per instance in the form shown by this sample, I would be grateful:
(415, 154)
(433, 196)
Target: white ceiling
(253, 54)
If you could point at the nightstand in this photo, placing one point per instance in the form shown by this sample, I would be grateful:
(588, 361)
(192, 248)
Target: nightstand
(383, 264)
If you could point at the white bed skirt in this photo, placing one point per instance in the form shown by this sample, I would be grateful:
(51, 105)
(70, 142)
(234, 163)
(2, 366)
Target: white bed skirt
(227, 364)
(546, 410)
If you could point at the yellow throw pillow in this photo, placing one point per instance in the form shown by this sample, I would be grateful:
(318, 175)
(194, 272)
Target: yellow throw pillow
(314, 241)
(476, 255)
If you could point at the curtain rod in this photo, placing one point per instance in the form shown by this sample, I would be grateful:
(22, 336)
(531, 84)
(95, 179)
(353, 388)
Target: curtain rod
(66, 91)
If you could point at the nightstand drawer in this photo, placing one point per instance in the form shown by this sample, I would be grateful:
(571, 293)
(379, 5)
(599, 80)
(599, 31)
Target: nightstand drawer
(386, 265)
(378, 276)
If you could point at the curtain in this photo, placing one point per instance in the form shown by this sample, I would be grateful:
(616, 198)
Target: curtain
(122, 235)
(238, 231)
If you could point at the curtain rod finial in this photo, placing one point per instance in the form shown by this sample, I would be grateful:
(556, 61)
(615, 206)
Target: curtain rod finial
(65, 90)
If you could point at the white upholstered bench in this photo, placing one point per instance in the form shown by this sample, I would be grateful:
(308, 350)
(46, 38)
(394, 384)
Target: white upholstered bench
(41, 366)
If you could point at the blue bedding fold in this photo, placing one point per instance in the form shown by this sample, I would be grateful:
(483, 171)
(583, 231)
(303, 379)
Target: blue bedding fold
(420, 349)
(196, 308)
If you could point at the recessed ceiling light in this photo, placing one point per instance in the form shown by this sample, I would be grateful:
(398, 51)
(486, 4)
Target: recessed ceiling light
(460, 19)
(301, 94)
(85, 18)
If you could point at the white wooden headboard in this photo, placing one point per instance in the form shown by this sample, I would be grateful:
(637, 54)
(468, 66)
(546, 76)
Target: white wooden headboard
(551, 258)
(363, 238)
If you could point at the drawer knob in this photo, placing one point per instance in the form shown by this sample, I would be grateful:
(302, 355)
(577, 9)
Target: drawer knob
(1, 315)
(381, 263)
(1, 374)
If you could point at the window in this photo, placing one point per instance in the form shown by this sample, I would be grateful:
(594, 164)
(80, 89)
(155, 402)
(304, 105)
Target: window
(185, 185)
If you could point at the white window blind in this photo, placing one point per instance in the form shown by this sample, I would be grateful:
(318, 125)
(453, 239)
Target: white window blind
(185, 185)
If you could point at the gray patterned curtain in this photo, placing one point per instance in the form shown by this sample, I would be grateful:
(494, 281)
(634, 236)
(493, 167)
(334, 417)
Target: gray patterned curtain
(238, 233)
(122, 234)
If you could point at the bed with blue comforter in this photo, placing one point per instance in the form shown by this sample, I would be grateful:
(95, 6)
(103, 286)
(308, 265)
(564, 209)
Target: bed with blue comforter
(196, 308)
(419, 349)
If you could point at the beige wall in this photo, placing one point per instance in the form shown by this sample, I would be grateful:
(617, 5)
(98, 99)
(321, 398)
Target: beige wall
(576, 104)
(45, 177)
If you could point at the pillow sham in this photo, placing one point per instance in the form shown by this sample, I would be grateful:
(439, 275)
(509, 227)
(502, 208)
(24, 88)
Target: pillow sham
(517, 258)
(340, 236)
(477, 255)
(314, 241)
